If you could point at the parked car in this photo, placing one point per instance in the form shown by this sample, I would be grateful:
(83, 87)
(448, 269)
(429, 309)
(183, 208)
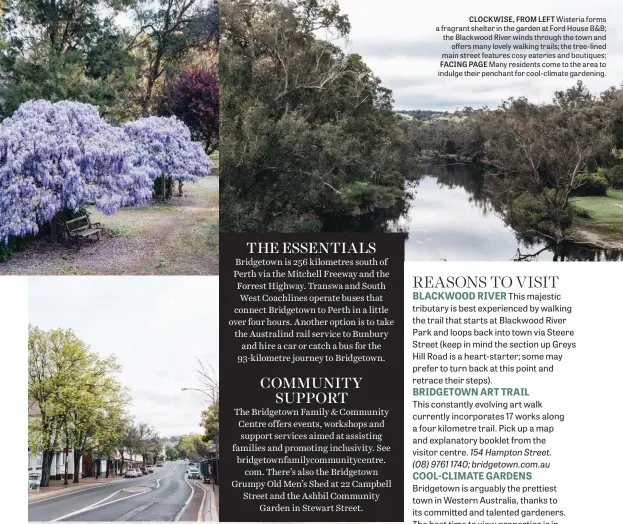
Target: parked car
(159, 464)
(193, 473)
(144, 470)
(151, 469)
(132, 473)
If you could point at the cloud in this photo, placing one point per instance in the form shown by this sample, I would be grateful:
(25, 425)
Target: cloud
(157, 327)
(399, 41)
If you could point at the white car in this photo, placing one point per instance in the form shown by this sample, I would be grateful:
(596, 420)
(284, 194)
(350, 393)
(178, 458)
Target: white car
(132, 473)
(150, 469)
(194, 473)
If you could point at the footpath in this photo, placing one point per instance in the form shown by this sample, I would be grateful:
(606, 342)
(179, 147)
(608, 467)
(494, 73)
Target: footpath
(57, 488)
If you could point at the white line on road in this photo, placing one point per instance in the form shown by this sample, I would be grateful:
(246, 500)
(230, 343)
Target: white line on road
(158, 481)
(200, 513)
(102, 503)
(99, 505)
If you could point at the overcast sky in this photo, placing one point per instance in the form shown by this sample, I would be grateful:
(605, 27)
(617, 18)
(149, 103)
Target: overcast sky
(397, 39)
(156, 326)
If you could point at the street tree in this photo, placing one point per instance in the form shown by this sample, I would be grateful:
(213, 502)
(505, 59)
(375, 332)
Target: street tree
(210, 422)
(146, 437)
(172, 453)
(128, 442)
(94, 404)
(108, 439)
(208, 379)
(193, 447)
(55, 359)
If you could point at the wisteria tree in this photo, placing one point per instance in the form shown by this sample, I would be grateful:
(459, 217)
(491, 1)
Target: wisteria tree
(164, 145)
(64, 156)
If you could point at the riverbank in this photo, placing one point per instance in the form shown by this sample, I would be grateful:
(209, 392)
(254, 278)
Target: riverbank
(604, 228)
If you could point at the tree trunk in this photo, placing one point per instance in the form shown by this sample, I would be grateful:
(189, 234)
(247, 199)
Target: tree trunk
(55, 226)
(151, 81)
(180, 185)
(66, 466)
(46, 464)
(66, 454)
(77, 456)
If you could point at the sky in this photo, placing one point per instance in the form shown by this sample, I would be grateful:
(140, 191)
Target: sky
(397, 39)
(156, 326)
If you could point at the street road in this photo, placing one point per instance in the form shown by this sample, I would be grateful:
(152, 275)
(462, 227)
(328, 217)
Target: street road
(165, 495)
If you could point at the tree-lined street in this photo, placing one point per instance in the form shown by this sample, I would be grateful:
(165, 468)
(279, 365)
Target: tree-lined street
(113, 435)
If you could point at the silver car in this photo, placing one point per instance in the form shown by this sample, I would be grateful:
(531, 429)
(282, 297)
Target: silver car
(194, 473)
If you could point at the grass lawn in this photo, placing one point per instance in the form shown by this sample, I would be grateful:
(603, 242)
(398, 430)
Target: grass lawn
(606, 216)
(179, 237)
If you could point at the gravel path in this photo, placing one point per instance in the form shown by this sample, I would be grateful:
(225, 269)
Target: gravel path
(176, 238)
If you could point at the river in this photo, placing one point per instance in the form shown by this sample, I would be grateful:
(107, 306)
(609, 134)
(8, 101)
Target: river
(449, 217)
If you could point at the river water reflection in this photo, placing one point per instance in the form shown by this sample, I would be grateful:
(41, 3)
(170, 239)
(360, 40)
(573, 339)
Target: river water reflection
(449, 217)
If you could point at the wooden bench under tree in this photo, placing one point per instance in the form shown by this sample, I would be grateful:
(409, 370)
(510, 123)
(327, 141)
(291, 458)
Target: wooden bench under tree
(81, 228)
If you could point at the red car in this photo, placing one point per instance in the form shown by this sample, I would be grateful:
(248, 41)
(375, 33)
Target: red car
(144, 470)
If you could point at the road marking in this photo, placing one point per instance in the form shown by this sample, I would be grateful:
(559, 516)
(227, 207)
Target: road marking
(158, 481)
(87, 488)
(192, 492)
(105, 499)
(200, 513)
(99, 505)
(102, 503)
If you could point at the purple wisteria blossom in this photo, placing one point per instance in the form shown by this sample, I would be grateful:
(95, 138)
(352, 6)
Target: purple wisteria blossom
(64, 155)
(166, 147)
